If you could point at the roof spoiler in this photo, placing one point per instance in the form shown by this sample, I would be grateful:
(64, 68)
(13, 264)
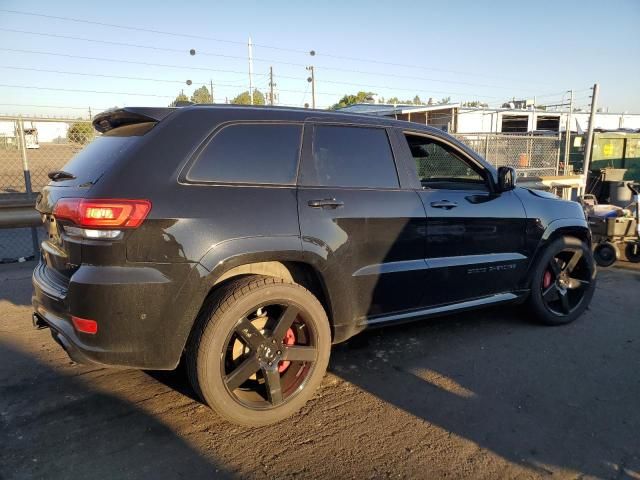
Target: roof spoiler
(118, 117)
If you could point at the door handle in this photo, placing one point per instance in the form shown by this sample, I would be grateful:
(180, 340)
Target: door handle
(325, 203)
(446, 204)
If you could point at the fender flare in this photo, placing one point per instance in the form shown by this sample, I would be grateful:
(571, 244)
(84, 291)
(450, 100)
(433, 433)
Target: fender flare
(224, 256)
(566, 224)
(558, 226)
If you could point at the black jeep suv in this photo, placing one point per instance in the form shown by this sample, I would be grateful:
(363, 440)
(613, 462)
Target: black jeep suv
(247, 240)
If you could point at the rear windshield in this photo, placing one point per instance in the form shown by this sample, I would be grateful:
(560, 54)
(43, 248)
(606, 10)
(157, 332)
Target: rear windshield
(97, 157)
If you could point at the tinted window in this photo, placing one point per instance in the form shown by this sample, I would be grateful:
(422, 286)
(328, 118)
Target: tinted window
(250, 154)
(439, 166)
(351, 157)
(97, 157)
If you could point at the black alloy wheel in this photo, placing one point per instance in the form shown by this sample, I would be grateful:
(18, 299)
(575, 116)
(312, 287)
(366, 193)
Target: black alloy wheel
(565, 282)
(562, 282)
(259, 350)
(269, 355)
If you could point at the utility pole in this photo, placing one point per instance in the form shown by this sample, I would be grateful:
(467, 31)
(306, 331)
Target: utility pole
(211, 89)
(567, 137)
(589, 142)
(312, 80)
(90, 117)
(271, 85)
(250, 45)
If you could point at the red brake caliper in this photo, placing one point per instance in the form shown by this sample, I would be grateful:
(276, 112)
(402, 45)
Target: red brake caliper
(289, 339)
(546, 279)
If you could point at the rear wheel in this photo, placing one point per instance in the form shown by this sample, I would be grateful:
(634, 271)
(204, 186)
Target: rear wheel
(563, 282)
(260, 350)
(632, 251)
(606, 254)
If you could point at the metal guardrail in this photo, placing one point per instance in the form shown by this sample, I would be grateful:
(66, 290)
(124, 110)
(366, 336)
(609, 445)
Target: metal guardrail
(30, 147)
(19, 222)
(17, 211)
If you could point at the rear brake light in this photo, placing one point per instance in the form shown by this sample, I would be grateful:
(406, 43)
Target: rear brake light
(102, 213)
(85, 325)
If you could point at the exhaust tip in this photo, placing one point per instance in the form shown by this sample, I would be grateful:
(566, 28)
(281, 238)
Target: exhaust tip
(38, 322)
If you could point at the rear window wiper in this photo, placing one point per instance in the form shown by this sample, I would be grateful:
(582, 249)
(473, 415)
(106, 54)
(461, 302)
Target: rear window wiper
(60, 175)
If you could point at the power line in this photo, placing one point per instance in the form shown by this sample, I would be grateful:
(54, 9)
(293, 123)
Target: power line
(237, 72)
(235, 42)
(237, 57)
(116, 60)
(49, 106)
(146, 30)
(64, 72)
(410, 89)
(75, 90)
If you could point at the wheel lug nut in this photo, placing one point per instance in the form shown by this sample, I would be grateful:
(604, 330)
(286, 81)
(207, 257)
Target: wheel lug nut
(273, 341)
(269, 364)
(278, 352)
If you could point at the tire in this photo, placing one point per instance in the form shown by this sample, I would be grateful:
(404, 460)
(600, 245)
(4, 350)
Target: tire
(632, 251)
(606, 254)
(236, 333)
(563, 282)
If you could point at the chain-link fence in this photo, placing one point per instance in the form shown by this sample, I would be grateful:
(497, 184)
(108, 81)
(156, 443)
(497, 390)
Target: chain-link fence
(531, 155)
(30, 148)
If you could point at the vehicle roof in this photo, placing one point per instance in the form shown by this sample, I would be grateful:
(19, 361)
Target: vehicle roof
(113, 118)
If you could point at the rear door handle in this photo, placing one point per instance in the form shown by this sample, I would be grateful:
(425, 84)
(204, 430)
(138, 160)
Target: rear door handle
(446, 204)
(325, 203)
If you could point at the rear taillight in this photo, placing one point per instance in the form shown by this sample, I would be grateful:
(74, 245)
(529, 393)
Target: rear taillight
(102, 213)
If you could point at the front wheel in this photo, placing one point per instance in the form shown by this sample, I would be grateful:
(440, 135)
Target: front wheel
(563, 282)
(259, 350)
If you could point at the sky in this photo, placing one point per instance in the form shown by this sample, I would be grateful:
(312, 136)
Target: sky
(489, 51)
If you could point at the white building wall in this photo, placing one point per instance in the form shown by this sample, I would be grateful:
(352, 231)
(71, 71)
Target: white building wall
(47, 131)
(486, 120)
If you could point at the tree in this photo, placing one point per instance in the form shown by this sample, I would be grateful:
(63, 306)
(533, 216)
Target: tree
(202, 95)
(416, 101)
(245, 99)
(360, 97)
(475, 103)
(80, 132)
(180, 98)
(444, 101)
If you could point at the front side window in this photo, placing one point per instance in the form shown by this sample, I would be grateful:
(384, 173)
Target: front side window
(439, 166)
(350, 157)
(250, 153)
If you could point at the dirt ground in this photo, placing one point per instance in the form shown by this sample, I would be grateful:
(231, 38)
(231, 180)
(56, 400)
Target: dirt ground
(48, 157)
(486, 394)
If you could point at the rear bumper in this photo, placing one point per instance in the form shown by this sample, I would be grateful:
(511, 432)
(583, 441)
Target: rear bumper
(134, 307)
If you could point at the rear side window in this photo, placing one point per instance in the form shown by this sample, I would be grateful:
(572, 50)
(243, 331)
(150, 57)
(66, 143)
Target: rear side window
(350, 157)
(97, 157)
(250, 153)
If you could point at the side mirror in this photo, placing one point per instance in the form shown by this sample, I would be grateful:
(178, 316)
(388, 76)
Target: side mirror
(506, 179)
